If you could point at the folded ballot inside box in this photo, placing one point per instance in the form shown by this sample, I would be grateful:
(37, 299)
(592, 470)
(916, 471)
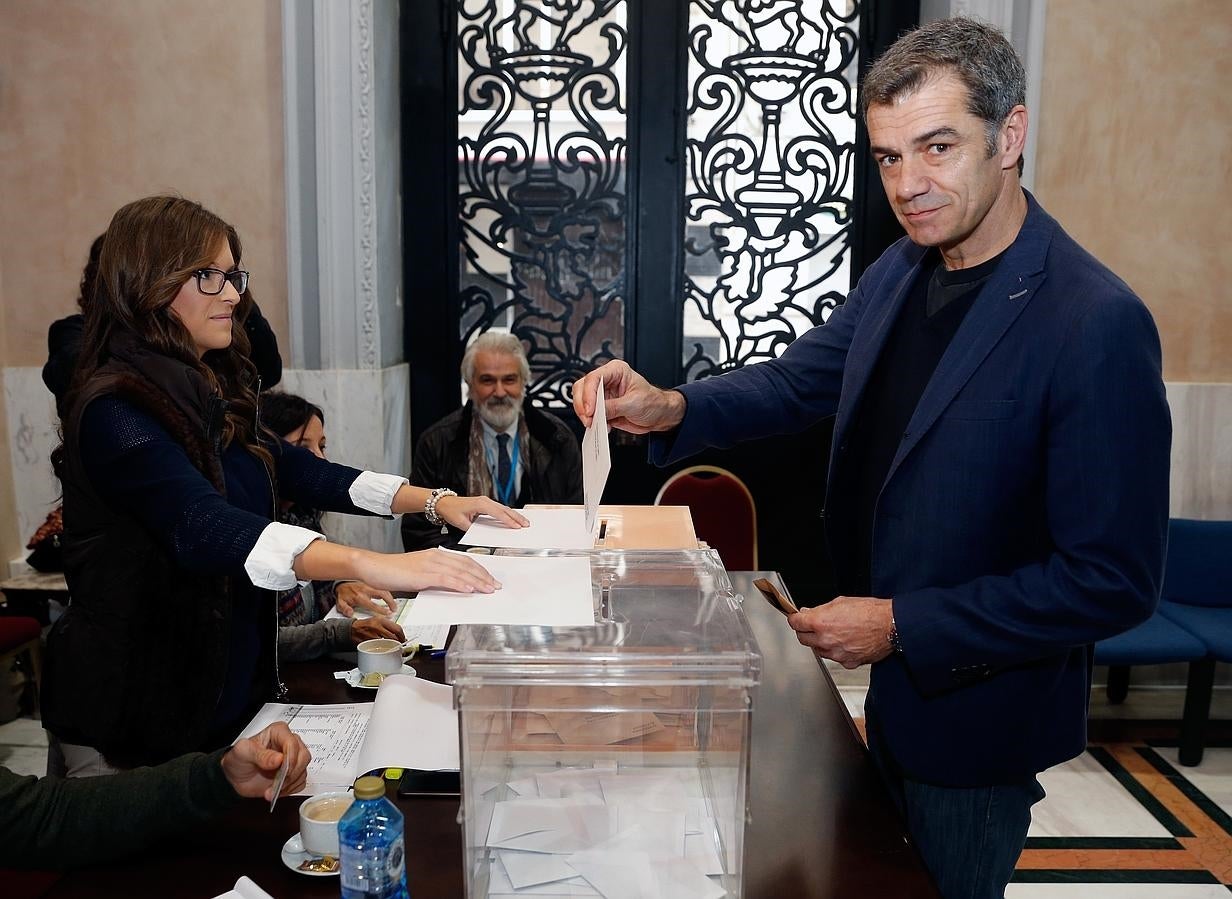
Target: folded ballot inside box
(611, 759)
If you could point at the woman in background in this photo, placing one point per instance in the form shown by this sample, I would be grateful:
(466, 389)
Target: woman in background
(306, 633)
(172, 550)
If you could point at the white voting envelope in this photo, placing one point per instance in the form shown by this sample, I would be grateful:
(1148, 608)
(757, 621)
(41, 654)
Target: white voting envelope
(596, 461)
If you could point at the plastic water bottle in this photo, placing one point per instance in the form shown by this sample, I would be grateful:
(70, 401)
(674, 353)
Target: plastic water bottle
(373, 854)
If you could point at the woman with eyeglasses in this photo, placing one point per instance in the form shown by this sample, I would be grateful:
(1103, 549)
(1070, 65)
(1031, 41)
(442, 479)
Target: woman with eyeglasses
(172, 547)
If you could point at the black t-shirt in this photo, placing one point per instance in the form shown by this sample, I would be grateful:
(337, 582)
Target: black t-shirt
(929, 319)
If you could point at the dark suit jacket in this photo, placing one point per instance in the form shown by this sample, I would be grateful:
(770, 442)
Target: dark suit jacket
(1025, 514)
(553, 473)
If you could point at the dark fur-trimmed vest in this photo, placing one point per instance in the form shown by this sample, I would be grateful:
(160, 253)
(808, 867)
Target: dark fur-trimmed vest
(136, 664)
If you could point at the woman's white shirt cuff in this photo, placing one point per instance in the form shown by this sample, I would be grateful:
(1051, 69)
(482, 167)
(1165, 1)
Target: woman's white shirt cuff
(374, 492)
(271, 564)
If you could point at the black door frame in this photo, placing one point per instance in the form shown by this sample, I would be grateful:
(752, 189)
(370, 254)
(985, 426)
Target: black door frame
(790, 528)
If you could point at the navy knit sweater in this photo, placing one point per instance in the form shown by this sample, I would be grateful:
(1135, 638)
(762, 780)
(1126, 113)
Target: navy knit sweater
(136, 465)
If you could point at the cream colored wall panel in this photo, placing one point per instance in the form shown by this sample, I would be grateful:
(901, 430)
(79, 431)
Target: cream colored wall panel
(103, 103)
(1134, 159)
(1201, 450)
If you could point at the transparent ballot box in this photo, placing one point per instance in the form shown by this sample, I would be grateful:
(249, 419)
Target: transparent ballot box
(611, 760)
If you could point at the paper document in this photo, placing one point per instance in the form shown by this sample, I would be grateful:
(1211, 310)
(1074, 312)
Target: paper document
(596, 462)
(364, 613)
(552, 591)
(411, 724)
(428, 637)
(604, 832)
(244, 888)
(549, 529)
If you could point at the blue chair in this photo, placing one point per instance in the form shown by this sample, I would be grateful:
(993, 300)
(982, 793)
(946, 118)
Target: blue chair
(1198, 593)
(1193, 624)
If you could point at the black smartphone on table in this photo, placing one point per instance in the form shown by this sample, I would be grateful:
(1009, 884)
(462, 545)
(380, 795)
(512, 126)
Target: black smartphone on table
(430, 783)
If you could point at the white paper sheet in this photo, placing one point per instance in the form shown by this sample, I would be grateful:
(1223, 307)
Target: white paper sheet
(570, 783)
(364, 613)
(639, 875)
(596, 462)
(429, 637)
(333, 734)
(411, 724)
(500, 887)
(617, 876)
(535, 590)
(549, 529)
(558, 826)
(528, 869)
(656, 838)
(244, 889)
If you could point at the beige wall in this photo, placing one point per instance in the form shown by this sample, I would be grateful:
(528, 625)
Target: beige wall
(106, 102)
(1135, 159)
(11, 541)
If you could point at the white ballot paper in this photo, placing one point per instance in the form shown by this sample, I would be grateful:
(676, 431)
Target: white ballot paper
(244, 888)
(549, 529)
(432, 637)
(550, 591)
(619, 835)
(596, 461)
(412, 724)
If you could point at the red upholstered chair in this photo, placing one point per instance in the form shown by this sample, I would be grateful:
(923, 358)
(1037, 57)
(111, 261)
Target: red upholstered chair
(724, 514)
(19, 638)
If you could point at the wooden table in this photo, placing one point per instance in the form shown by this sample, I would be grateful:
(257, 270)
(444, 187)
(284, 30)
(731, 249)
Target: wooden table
(821, 824)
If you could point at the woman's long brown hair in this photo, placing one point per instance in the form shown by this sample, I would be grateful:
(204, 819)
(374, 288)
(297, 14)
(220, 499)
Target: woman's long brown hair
(150, 249)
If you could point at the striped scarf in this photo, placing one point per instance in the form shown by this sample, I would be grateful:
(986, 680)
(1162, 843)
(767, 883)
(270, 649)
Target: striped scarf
(478, 474)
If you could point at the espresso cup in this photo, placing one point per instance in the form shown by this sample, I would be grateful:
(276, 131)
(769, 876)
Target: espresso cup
(381, 655)
(318, 822)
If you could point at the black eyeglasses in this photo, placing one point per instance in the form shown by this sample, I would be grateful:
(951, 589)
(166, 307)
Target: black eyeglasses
(211, 281)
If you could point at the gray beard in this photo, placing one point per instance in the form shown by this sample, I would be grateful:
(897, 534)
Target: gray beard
(499, 417)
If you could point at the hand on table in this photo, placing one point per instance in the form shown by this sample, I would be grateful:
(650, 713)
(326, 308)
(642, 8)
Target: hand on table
(251, 765)
(851, 630)
(373, 628)
(352, 595)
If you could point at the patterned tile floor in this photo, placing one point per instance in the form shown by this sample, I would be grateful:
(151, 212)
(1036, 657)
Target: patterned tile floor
(1125, 820)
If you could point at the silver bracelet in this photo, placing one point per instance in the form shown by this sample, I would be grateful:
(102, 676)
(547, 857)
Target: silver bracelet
(430, 507)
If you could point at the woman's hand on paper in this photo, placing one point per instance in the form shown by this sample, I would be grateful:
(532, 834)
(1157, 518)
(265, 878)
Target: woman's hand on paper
(373, 628)
(251, 765)
(425, 569)
(460, 511)
(352, 595)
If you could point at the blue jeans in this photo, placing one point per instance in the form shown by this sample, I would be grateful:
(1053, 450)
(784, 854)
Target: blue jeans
(969, 837)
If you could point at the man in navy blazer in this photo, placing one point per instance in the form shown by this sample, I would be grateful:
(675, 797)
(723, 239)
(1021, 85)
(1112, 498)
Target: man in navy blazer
(998, 485)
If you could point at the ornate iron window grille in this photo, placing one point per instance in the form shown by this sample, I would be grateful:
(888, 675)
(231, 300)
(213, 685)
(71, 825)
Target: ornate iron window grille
(770, 155)
(542, 184)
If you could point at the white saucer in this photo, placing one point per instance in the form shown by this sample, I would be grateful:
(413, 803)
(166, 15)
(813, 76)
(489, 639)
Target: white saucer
(293, 854)
(353, 677)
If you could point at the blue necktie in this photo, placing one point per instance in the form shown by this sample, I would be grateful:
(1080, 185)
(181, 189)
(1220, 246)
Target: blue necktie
(503, 466)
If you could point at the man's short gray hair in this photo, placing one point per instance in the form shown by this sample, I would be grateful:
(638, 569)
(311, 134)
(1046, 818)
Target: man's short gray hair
(495, 342)
(978, 54)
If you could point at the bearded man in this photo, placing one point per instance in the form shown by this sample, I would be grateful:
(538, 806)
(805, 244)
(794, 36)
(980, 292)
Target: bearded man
(497, 445)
